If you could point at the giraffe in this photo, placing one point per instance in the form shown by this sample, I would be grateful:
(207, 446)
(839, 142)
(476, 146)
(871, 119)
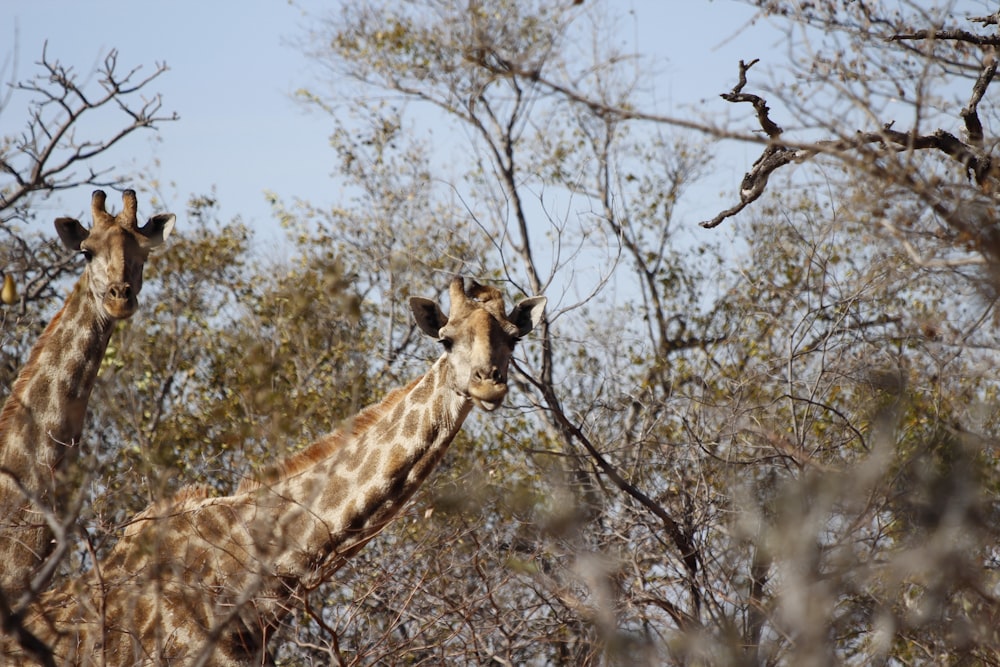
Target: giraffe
(42, 419)
(203, 580)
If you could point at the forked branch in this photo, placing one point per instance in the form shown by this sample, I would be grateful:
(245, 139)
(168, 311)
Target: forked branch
(48, 155)
(970, 153)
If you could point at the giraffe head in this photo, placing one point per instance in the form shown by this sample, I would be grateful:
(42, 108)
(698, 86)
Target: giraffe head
(478, 337)
(115, 250)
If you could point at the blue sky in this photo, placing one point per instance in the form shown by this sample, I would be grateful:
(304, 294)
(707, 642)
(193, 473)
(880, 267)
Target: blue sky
(234, 66)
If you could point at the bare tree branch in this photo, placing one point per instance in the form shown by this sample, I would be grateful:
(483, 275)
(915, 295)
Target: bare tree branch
(979, 165)
(970, 113)
(47, 154)
(951, 35)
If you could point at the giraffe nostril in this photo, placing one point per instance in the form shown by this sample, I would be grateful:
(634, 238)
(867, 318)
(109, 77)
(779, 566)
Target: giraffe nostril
(489, 375)
(121, 291)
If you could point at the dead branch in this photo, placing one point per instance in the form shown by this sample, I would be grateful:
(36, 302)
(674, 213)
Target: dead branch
(950, 35)
(970, 113)
(760, 106)
(46, 155)
(970, 155)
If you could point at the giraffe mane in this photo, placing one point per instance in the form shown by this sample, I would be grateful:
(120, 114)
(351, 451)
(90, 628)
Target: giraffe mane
(325, 446)
(186, 495)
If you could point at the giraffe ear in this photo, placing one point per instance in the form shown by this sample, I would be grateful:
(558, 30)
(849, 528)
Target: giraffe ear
(157, 229)
(71, 232)
(428, 315)
(527, 314)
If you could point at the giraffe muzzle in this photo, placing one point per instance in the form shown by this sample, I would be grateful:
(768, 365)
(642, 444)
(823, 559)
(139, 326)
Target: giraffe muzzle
(120, 301)
(488, 394)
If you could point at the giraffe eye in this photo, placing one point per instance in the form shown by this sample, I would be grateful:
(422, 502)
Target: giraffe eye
(446, 343)
(87, 255)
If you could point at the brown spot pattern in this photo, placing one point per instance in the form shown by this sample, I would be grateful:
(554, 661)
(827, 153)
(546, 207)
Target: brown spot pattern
(329, 500)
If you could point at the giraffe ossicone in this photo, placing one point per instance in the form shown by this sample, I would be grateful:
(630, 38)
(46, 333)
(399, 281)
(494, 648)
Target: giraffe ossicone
(209, 578)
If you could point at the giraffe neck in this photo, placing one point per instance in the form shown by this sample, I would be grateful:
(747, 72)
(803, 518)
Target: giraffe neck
(369, 476)
(40, 427)
(263, 545)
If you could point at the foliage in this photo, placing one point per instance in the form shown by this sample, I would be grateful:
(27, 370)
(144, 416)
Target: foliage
(731, 462)
(784, 456)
